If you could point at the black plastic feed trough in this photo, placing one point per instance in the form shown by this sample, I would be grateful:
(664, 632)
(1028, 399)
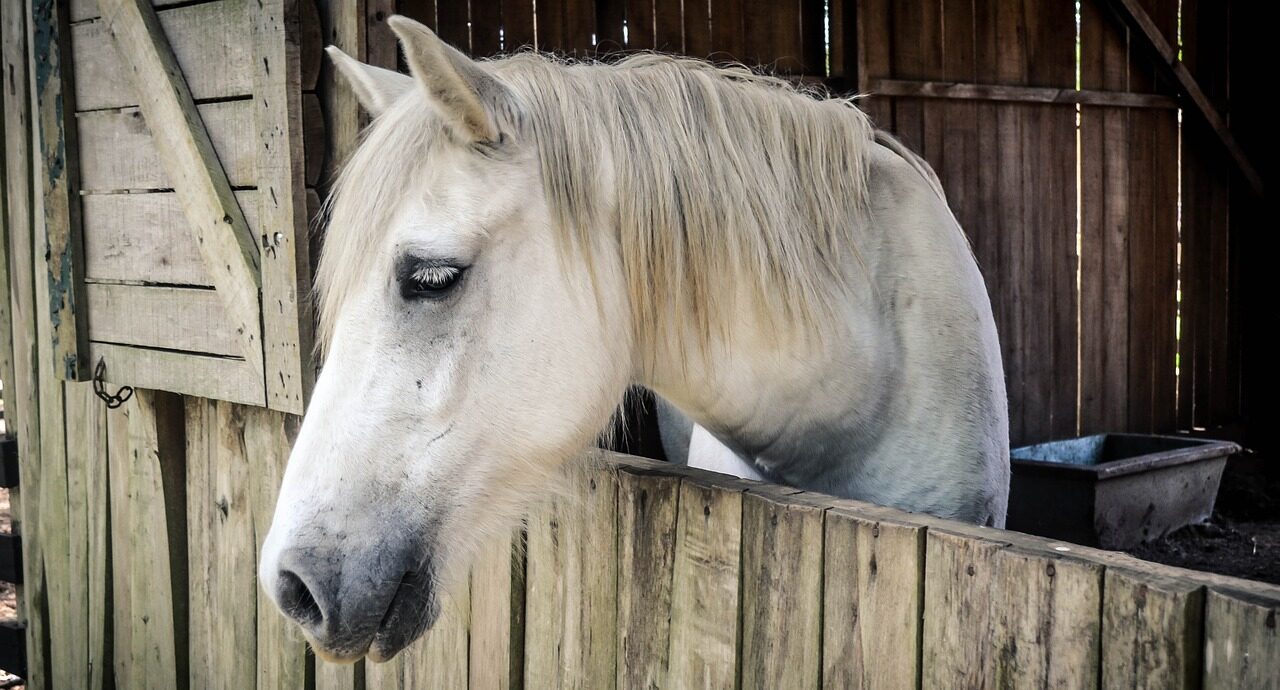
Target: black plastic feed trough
(1115, 490)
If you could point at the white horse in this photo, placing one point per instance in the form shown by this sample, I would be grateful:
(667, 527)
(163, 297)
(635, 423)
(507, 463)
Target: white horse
(517, 241)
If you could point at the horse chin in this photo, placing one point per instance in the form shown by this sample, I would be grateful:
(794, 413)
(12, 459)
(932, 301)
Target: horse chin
(331, 657)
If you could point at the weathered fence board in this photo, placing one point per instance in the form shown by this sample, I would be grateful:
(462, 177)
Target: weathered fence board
(705, 637)
(1152, 630)
(781, 591)
(572, 588)
(1242, 640)
(647, 509)
(497, 617)
(873, 591)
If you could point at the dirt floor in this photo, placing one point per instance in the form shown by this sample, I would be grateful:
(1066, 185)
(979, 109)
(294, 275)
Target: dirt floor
(8, 598)
(1243, 536)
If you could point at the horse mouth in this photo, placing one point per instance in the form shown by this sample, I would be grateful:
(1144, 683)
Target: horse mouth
(412, 610)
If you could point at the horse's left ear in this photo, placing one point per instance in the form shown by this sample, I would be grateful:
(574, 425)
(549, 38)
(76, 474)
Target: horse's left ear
(467, 95)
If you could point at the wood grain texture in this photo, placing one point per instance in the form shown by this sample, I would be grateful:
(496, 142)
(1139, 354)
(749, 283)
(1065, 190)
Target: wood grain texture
(118, 151)
(705, 636)
(282, 206)
(781, 591)
(283, 660)
(148, 483)
(220, 378)
(571, 587)
(230, 252)
(496, 652)
(440, 658)
(222, 555)
(1152, 630)
(959, 600)
(120, 242)
(346, 30)
(60, 185)
(1241, 642)
(173, 318)
(873, 592)
(648, 504)
(209, 47)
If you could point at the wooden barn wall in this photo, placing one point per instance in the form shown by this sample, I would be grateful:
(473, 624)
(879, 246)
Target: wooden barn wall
(1088, 324)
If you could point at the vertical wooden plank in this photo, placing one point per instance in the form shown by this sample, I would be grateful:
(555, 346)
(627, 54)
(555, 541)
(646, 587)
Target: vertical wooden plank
(697, 29)
(54, 538)
(647, 508)
(873, 56)
(781, 591)
(60, 184)
(282, 660)
(223, 563)
(1047, 628)
(571, 604)
(346, 30)
(985, 229)
(282, 212)
(86, 441)
(728, 32)
(705, 637)
(97, 490)
(640, 24)
(1242, 641)
(127, 674)
(1104, 309)
(440, 658)
(773, 36)
(388, 675)
(873, 592)
(339, 676)
(451, 24)
(486, 23)
(497, 617)
(1152, 628)
(19, 394)
(149, 488)
(517, 25)
(668, 26)
(959, 622)
(381, 47)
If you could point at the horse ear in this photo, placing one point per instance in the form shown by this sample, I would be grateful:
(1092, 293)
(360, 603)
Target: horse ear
(375, 88)
(466, 94)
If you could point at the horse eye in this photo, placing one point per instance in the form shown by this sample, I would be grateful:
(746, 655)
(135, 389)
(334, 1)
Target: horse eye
(428, 281)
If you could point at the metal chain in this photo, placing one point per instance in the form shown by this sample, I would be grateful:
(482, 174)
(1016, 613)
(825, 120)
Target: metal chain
(113, 400)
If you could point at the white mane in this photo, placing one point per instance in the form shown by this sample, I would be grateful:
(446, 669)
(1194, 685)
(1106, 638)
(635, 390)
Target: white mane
(717, 179)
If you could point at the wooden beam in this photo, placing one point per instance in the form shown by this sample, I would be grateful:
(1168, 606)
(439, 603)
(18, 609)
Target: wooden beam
(282, 211)
(187, 153)
(1017, 94)
(1131, 12)
(60, 172)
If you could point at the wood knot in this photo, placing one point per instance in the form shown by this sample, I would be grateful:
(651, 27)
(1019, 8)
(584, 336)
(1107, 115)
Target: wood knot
(1050, 570)
(875, 531)
(706, 511)
(971, 570)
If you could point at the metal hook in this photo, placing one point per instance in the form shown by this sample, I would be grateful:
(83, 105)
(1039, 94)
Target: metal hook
(112, 400)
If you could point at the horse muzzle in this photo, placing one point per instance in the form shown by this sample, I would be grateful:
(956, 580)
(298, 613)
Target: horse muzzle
(353, 602)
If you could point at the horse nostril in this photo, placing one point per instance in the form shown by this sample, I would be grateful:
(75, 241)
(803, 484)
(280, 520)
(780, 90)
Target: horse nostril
(296, 600)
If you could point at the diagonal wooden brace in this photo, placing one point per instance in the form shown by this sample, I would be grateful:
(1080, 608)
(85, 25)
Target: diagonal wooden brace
(1131, 12)
(225, 240)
